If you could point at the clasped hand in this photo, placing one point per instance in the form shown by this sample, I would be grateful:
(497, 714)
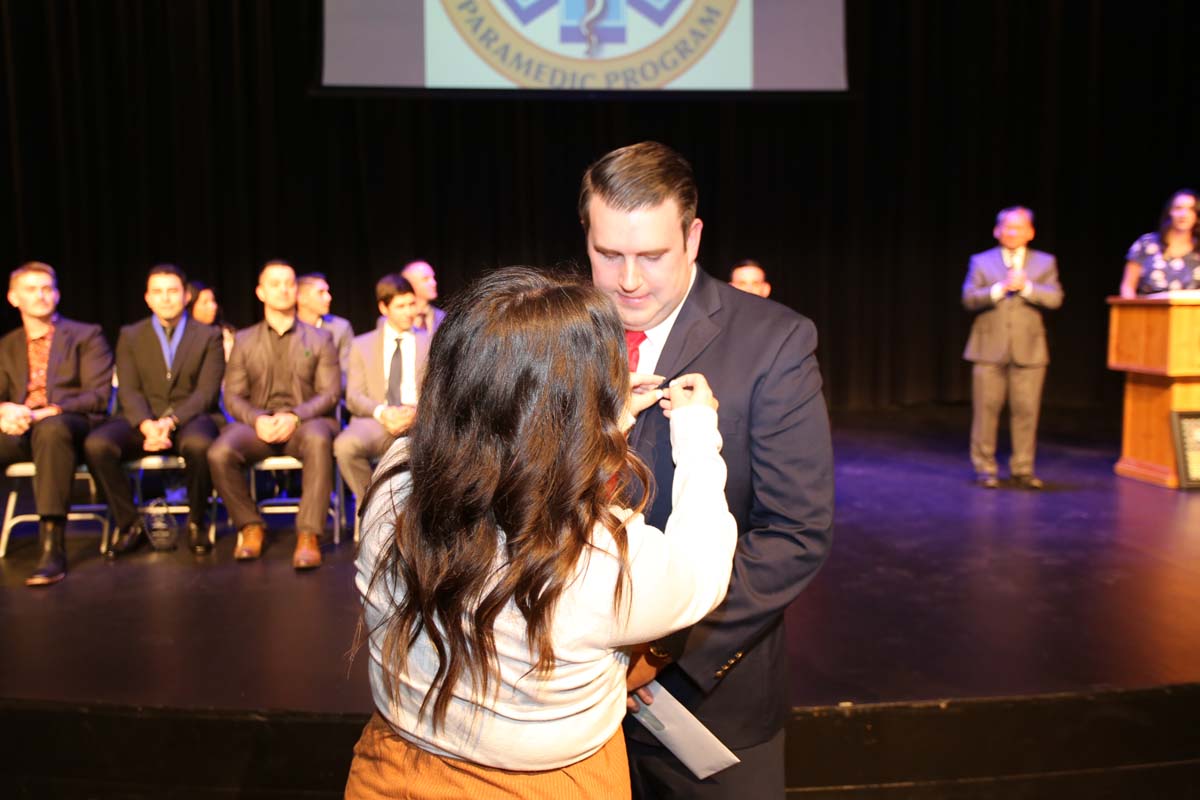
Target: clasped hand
(276, 428)
(16, 418)
(396, 420)
(156, 434)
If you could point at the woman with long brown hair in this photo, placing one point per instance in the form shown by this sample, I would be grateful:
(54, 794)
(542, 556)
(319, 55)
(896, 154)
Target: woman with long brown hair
(1168, 259)
(504, 563)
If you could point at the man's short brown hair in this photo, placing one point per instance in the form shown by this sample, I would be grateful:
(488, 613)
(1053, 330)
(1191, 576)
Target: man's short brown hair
(31, 266)
(390, 286)
(643, 175)
(274, 262)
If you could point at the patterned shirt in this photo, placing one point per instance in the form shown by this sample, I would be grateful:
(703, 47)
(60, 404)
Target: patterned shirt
(1160, 274)
(39, 361)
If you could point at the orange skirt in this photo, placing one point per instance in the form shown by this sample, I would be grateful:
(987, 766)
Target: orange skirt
(386, 765)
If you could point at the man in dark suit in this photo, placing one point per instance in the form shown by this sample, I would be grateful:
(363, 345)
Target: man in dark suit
(1011, 285)
(55, 382)
(383, 385)
(169, 370)
(424, 282)
(638, 209)
(281, 387)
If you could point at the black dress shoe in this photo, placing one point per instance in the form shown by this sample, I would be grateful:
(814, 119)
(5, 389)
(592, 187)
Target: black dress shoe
(132, 537)
(1032, 482)
(987, 482)
(198, 537)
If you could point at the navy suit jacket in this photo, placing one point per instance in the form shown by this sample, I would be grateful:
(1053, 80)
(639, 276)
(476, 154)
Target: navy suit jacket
(78, 373)
(144, 390)
(759, 357)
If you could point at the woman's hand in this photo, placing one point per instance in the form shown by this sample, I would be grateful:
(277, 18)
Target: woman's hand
(644, 393)
(688, 390)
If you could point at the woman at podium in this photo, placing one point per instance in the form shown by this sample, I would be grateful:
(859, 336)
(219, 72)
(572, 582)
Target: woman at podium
(1167, 259)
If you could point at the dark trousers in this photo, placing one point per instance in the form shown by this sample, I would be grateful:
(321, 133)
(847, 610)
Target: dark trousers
(238, 447)
(655, 774)
(54, 446)
(116, 441)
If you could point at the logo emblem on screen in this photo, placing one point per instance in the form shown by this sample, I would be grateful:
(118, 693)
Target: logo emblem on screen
(590, 44)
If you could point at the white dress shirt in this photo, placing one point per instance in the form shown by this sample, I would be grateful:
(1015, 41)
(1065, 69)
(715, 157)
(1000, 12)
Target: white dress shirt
(408, 357)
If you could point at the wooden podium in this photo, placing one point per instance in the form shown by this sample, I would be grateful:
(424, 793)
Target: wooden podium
(1156, 343)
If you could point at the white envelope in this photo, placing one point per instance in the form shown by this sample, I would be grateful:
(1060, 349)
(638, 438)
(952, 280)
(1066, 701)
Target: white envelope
(683, 734)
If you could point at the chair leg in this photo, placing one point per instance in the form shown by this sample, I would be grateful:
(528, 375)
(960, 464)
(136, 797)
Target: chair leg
(9, 507)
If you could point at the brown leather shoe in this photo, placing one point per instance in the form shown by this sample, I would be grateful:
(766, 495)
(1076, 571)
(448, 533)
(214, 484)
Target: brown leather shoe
(308, 551)
(250, 542)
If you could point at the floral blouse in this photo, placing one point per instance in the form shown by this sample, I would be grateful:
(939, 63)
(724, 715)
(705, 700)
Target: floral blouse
(1159, 274)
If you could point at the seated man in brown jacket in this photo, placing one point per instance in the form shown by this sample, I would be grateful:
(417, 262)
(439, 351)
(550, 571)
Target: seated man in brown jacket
(281, 387)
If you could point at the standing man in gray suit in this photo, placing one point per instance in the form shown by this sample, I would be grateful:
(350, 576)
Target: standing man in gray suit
(383, 383)
(1010, 286)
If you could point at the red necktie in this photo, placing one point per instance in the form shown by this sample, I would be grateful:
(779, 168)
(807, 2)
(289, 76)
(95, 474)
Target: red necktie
(633, 340)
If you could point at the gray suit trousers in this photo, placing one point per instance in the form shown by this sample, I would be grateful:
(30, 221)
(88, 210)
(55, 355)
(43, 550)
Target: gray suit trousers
(363, 442)
(990, 385)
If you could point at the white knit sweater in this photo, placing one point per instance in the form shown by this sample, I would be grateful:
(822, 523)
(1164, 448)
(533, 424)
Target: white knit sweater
(538, 723)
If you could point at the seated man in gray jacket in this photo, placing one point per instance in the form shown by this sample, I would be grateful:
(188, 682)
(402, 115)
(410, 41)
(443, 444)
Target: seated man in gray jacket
(383, 383)
(281, 388)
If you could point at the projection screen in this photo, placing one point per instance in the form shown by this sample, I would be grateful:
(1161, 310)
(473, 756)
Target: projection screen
(586, 45)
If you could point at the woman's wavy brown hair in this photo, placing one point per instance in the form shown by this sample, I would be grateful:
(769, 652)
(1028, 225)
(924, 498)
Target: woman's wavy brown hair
(515, 455)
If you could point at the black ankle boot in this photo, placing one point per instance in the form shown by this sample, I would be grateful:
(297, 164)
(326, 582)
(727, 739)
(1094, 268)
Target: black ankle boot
(52, 566)
(198, 537)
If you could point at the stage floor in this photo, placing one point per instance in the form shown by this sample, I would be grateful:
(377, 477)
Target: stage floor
(935, 590)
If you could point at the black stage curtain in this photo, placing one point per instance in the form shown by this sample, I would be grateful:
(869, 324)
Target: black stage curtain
(191, 131)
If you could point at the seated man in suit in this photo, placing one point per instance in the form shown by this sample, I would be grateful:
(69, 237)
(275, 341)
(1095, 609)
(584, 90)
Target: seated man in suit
(281, 388)
(424, 282)
(313, 299)
(383, 384)
(1010, 287)
(169, 370)
(55, 381)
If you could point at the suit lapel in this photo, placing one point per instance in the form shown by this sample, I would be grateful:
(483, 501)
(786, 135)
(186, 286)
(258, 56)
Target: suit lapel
(693, 331)
(58, 347)
(18, 365)
(187, 344)
(1001, 268)
(375, 386)
(151, 350)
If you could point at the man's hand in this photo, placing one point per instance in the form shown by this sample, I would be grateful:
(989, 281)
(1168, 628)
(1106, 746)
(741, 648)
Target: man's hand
(15, 418)
(688, 390)
(276, 428)
(1016, 280)
(644, 393)
(157, 434)
(398, 419)
(643, 668)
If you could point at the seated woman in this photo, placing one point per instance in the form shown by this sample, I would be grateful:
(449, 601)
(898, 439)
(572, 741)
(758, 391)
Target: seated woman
(203, 307)
(1168, 259)
(504, 563)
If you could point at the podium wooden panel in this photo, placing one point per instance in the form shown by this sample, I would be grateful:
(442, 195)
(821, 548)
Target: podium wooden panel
(1156, 343)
